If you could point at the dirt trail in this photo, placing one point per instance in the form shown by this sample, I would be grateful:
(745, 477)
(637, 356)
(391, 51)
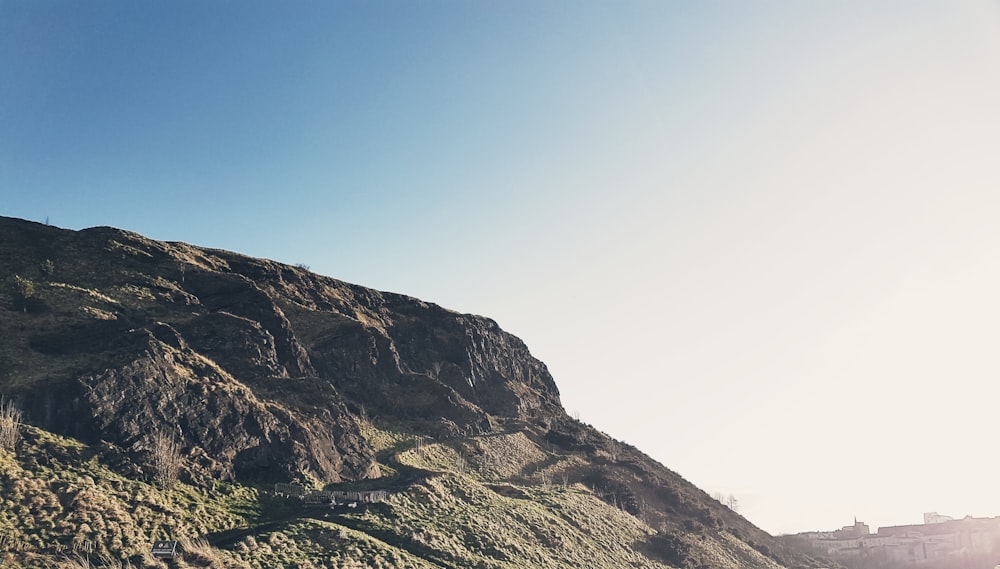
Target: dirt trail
(405, 477)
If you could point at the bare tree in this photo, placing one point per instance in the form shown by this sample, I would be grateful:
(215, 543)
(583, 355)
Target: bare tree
(732, 503)
(546, 478)
(167, 459)
(729, 501)
(10, 424)
(613, 450)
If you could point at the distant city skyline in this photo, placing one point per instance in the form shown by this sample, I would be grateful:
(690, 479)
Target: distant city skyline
(968, 541)
(758, 241)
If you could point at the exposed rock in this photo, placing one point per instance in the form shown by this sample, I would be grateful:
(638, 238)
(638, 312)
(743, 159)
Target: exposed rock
(266, 372)
(253, 365)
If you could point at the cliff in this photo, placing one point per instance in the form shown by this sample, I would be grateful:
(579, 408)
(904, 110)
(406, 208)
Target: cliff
(261, 372)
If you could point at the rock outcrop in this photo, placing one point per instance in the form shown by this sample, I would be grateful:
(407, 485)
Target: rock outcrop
(262, 371)
(259, 369)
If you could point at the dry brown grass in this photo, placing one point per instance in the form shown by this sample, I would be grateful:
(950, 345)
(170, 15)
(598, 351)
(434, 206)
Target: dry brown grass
(167, 459)
(197, 552)
(80, 562)
(10, 424)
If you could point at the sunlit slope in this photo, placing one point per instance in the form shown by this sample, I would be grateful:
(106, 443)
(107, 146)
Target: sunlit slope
(244, 372)
(449, 506)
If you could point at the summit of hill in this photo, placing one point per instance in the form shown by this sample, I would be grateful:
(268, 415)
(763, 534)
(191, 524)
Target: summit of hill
(161, 391)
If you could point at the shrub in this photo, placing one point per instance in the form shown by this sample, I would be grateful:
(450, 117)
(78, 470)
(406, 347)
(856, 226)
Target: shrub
(10, 424)
(167, 459)
(25, 294)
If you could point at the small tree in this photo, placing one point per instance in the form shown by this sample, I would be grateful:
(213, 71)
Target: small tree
(10, 424)
(729, 501)
(25, 293)
(167, 459)
(732, 503)
(613, 450)
(24, 287)
(48, 267)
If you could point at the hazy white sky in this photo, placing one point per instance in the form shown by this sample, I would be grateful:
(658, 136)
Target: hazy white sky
(757, 240)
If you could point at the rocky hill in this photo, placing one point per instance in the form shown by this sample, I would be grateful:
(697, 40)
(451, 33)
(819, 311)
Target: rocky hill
(173, 385)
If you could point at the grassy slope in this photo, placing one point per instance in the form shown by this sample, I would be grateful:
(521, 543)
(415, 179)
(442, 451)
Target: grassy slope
(497, 501)
(483, 502)
(59, 500)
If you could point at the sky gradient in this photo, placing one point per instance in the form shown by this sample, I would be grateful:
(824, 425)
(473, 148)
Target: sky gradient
(758, 240)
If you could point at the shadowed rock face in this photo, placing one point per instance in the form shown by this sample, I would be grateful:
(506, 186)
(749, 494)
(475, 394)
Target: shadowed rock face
(266, 372)
(257, 367)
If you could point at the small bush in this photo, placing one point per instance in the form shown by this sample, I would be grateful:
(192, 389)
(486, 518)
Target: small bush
(25, 294)
(167, 459)
(24, 287)
(10, 424)
(199, 553)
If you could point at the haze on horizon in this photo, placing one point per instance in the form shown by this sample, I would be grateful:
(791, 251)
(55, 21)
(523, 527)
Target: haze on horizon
(758, 241)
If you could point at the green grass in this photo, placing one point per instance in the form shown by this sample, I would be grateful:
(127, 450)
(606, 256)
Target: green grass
(58, 500)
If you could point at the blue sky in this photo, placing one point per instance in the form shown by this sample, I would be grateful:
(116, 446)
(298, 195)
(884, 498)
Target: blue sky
(757, 240)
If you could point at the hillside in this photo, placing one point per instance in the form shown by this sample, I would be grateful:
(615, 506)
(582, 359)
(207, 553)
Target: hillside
(165, 388)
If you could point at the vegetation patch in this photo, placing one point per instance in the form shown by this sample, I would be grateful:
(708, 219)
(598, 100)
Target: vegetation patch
(58, 500)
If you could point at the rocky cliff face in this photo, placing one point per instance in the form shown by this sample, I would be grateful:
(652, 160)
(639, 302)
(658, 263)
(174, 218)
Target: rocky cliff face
(259, 369)
(262, 371)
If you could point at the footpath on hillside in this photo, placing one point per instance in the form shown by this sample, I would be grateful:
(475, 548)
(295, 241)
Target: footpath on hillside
(280, 508)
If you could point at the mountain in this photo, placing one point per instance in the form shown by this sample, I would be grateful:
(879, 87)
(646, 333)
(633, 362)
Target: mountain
(164, 389)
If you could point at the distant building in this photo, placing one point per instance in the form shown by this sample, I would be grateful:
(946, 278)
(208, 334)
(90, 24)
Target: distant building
(858, 530)
(936, 518)
(939, 537)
